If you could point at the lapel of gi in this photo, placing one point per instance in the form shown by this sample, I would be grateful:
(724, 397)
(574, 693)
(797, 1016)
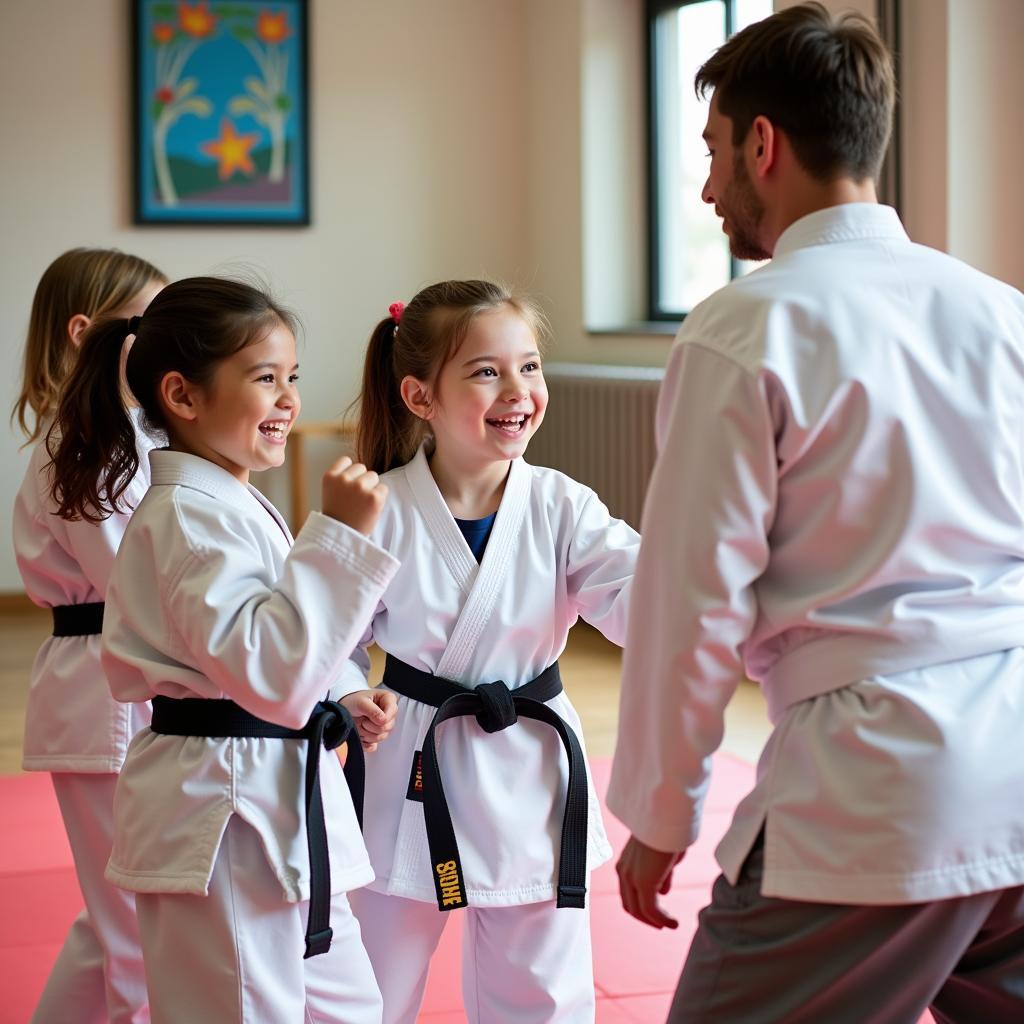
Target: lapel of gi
(490, 579)
(274, 514)
(445, 534)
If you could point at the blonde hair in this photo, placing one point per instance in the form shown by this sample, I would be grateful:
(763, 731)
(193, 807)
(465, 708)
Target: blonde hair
(432, 328)
(90, 282)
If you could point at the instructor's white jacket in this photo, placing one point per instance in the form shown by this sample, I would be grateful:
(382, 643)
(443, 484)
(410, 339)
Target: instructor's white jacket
(209, 598)
(838, 510)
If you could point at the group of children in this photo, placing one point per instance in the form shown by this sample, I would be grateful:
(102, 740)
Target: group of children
(203, 659)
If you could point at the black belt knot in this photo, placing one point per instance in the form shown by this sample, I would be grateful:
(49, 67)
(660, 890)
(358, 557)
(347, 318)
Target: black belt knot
(328, 727)
(499, 709)
(337, 723)
(495, 707)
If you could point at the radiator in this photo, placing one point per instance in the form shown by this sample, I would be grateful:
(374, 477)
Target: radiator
(599, 429)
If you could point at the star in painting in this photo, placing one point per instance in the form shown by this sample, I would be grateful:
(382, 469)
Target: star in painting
(231, 150)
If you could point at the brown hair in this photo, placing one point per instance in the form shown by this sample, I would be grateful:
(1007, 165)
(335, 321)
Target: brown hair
(191, 327)
(91, 282)
(827, 83)
(433, 326)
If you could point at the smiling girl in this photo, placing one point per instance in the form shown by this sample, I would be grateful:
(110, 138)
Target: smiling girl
(235, 632)
(498, 560)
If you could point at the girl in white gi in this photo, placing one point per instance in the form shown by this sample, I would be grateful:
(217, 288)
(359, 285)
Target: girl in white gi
(73, 727)
(498, 560)
(235, 632)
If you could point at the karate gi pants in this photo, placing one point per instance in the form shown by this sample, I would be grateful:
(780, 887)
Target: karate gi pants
(531, 964)
(759, 960)
(98, 975)
(235, 955)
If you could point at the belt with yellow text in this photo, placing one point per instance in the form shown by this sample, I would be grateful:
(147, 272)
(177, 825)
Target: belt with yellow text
(495, 707)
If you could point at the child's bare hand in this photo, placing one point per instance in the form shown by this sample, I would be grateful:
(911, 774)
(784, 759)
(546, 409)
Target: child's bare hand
(353, 495)
(374, 712)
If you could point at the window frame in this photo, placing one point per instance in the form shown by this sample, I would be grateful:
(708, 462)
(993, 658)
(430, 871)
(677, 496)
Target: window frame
(652, 10)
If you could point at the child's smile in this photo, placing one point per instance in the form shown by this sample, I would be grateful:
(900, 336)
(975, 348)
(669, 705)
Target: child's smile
(275, 431)
(511, 426)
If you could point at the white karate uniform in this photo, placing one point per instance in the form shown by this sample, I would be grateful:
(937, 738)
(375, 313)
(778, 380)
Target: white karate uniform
(78, 732)
(838, 508)
(554, 554)
(210, 598)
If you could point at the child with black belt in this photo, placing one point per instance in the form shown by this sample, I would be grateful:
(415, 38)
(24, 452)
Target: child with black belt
(492, 810)
(74, 729)
(235, 632)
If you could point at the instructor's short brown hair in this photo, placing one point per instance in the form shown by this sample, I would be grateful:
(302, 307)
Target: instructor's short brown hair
(826, 82)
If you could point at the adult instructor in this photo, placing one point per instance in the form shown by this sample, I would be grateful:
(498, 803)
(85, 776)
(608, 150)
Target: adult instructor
(837, 511)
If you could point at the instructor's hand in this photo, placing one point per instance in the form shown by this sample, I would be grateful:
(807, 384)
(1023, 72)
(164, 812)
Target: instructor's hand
(644, 874)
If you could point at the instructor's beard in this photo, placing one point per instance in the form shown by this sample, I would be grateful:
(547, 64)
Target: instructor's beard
(743, 211)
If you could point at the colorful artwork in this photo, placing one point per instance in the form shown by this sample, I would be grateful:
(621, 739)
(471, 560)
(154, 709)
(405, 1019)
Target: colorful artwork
(221, 112)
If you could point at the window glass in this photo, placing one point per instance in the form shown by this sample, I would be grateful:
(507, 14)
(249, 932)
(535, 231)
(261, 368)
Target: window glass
(691, 253)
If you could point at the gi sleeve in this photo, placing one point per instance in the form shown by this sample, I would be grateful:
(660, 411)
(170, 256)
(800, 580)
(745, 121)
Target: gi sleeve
(275, 645)
(709, 507)
(600, 566)
(355, 671)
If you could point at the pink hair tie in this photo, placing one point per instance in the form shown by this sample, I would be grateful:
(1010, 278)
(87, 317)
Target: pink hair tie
(396, 309)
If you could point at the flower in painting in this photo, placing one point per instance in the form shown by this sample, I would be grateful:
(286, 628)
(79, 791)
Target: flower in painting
(163, 33)
(196, 19)
(272, 28)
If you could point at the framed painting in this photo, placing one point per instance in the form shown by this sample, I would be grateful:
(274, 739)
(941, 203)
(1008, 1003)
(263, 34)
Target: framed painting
(221, 120)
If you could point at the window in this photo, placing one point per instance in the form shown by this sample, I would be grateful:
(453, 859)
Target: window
(689, 254)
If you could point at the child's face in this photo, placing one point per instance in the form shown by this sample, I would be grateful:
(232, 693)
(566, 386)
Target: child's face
(491, 396)
(244, 416)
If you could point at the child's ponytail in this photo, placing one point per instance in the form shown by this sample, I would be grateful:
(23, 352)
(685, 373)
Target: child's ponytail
(91, 441)
(387, 433)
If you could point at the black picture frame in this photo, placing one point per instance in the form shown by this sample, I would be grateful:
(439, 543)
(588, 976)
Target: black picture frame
(220, 112)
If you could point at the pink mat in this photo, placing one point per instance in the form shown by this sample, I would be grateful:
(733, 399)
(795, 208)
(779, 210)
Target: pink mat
(635, 966)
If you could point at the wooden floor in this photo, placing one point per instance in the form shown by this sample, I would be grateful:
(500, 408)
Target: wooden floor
(590, 668)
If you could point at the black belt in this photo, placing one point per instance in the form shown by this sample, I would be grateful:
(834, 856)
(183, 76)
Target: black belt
(329, 726)
(78, 619)
(496, 707)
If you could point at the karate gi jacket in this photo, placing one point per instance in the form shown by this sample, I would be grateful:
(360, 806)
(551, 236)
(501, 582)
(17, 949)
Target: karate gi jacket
(72, 723)
(838, 509)
(554, 554)
(210, 598)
